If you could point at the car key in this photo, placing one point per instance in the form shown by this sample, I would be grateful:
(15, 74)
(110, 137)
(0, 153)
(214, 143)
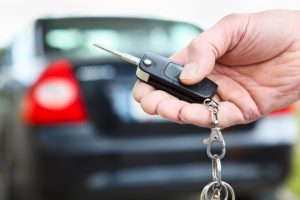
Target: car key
(163, 74)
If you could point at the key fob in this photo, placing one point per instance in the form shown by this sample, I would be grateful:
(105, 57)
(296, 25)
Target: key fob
(163, 74)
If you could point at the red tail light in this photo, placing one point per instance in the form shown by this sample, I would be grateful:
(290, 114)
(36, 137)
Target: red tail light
(55, 97)
(286, 110)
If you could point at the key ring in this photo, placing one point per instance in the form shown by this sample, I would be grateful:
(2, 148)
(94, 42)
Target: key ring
(217, 169)
(205, 195)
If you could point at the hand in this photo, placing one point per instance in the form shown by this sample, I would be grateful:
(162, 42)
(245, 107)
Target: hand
(255, 60)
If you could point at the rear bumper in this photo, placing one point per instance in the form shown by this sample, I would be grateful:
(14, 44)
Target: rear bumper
(109, 176)
(76, 160)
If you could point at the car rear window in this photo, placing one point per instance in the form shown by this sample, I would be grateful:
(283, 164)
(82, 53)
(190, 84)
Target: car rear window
(74, 36)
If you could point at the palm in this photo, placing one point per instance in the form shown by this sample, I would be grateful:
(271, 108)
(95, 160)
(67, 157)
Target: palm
(257, 89)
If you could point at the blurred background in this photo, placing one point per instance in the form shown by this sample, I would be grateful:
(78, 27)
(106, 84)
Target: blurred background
(16, 14)
(69, 128)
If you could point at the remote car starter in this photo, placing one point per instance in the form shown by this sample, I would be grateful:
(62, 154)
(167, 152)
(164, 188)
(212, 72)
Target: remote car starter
(163, 74)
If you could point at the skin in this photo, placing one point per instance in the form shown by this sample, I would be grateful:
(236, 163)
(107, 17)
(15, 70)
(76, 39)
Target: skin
(255, 60)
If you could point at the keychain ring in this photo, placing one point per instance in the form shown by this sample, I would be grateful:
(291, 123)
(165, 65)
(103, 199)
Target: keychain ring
(227, 188)
(217, 169)
(211, 105)
(204, 194)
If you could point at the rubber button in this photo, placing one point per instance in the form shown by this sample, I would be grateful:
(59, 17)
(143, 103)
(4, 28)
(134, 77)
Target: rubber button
(173, 71)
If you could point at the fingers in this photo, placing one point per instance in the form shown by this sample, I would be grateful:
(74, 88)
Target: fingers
(170, 109)
(200, 55)
(151, 101)
(180, 56)
(141, 89)
(159, 102)
(198, 115)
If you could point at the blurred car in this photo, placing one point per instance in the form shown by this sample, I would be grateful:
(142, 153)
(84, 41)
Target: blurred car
(71, 130)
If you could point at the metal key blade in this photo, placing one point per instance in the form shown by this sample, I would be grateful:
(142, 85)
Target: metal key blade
(129, 58)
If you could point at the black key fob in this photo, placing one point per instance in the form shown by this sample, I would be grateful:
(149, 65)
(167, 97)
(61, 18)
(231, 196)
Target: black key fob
(163, 74)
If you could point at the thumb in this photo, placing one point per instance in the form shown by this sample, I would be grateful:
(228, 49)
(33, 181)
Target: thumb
(201, 53)
(198, 64)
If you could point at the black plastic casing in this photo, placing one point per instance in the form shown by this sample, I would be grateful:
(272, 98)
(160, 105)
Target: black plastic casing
(164, 75)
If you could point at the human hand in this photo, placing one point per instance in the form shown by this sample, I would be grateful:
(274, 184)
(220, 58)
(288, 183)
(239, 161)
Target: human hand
(255, 60)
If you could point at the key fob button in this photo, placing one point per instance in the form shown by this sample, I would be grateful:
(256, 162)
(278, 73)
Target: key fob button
(173, 71)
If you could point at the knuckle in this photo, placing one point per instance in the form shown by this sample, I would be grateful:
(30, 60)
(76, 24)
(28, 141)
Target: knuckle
(251, 115)
(148, 108)
(135, 95)
(231, 17)
(184, 116)
(194, 46)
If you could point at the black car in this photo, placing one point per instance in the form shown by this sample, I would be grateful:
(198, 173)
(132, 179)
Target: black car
(69, 128)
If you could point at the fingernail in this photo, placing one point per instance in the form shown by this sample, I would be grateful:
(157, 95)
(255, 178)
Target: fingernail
(188, 71)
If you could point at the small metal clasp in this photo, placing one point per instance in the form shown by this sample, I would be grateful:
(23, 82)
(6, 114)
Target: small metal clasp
(215, 136)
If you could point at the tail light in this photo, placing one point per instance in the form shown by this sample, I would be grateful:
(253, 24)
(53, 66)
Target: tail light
(55, 97)
(290, 109)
